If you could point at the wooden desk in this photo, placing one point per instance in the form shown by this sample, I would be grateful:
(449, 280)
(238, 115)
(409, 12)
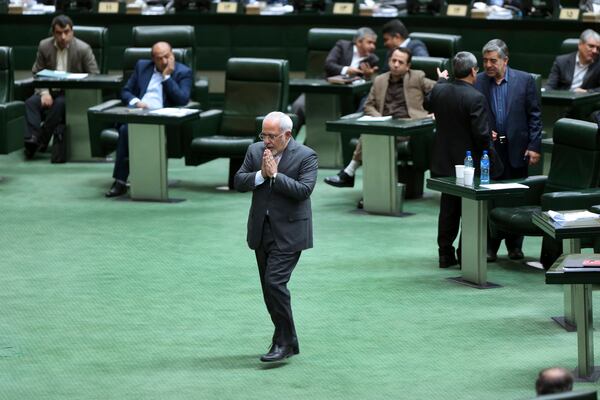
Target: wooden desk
(79, 96)
(571, 237)
(325, 102)
(474, 225)
(581, 287)
(382, 194)
(147, 148)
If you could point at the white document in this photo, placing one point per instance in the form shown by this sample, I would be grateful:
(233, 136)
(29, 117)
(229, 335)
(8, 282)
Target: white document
(173, 112)
(368, 118)
(574, 218)
(499, 186)
(76, 76)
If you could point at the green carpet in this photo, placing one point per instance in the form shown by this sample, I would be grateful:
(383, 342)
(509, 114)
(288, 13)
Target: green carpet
(112, 299)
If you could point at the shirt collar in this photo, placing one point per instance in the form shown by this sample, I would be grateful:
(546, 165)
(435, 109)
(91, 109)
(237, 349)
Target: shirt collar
(58, 48)
(505, 79)
(578, 63)
(405, 43)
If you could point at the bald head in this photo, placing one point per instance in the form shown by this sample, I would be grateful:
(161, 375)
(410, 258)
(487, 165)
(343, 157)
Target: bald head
(554, 380)
(161, 54)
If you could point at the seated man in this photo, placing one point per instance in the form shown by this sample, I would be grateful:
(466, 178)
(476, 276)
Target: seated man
(346, 58)
(395, 35)
(399, 93)
(578, 71)
(45, 109)
(154, 84)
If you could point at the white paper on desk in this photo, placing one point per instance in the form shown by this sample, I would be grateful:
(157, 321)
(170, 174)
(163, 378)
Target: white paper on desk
(368, 118)
(76, 76)
(570, 218)
(499, 186)
(173, 112)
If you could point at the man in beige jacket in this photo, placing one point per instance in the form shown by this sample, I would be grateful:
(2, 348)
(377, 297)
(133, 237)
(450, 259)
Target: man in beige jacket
(399, 93)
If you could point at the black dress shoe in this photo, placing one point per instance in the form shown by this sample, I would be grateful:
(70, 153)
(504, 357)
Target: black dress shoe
(447, 261)
(491, 256)
(342, 179)
(117, 189)
(278, 353)
(516, 254)
(31, 146)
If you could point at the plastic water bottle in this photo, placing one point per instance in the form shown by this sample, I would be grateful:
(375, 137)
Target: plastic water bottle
(485, 168)
(468, 160)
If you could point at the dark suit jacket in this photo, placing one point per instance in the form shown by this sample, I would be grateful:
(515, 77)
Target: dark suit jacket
(287, 197)
(417, 48)
(523, 123)
(561, 74)
(176, 89)
(341, 56)
(462, 122)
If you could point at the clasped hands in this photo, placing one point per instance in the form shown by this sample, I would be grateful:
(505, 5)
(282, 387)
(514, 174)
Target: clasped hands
(364, 70)
(268, 168)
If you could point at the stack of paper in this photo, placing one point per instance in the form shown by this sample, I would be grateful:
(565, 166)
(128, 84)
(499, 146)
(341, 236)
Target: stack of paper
(368, 118)
(574, 218)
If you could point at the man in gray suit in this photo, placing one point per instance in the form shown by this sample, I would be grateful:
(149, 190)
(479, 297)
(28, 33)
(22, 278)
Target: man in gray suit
(62, 52)
(281, 174)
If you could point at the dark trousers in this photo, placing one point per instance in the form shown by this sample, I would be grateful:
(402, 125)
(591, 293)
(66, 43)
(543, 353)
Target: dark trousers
(448, 223)
(275, 269)
(511, 240)
(121, 169)
(52, 117)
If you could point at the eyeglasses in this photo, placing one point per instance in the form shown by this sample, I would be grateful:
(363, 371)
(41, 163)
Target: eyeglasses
(263, 136)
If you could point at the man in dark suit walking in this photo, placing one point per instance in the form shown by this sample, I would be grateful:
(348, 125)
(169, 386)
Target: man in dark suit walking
(578, 71)
(462, 121)
(281, 174)
(514, 103)
(157, 83)
(61, 52)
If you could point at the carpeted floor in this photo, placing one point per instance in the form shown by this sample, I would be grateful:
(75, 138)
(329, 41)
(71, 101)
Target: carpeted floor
(112, 299)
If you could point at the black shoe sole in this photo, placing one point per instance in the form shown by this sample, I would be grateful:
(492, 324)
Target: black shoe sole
(339, 185)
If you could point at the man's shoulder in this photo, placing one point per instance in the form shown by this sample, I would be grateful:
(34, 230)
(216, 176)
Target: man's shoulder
(563, 58)
(46, 43)
(517, 73)
(179, 67)
(79, 44)
(381, 78)
(302, 150)
(416, 74)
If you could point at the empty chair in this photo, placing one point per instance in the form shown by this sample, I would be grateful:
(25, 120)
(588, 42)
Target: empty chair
(12, 113)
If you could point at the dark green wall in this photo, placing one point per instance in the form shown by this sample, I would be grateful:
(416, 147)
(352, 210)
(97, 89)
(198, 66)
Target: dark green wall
(533, 43)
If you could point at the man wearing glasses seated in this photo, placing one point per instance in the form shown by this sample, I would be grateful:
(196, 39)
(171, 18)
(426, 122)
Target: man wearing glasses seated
(578, 71)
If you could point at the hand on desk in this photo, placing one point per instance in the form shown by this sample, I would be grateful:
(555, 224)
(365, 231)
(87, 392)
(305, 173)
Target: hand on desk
(580, 90)
(141, 104)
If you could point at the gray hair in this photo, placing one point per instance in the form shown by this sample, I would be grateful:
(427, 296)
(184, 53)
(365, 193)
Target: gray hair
(462, 63)
(589, 34)
(361, 33)
(285, 122)
(498, 46)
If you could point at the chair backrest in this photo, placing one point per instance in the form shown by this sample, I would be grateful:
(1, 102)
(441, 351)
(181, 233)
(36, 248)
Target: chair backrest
(569, 45)
(131, 56)
(97, 38)
(575, 160)
(6, 74)
(438, 44)
(178, 36)
(253, 87)
(583, 395)
(320, 42)
(429, 65)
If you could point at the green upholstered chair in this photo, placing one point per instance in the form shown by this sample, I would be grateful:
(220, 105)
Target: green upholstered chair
(253, 87)
(572, 182)
(179, 37)
(12, 113)
(438, 44)
(320, 42)
(95, 36)
(429, 65)
(569, 45)
(103, 136)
